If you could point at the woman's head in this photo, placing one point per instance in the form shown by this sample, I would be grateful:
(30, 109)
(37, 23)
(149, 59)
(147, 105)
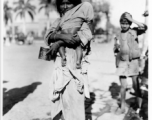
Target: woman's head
(65, 5)
(124, 22)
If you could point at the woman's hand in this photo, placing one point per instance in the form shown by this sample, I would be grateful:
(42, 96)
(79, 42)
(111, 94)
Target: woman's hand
(52, 37)
(69, 39)
(55, 47)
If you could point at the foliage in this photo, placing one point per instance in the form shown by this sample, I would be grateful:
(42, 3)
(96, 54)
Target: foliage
(7, 13)
(103, 8)
(87, 1)
(48, 5)
(22, 7)
(97, 15)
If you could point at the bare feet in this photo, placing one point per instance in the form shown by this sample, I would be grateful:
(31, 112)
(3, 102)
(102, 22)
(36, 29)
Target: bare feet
(132, 114)
(120, 111)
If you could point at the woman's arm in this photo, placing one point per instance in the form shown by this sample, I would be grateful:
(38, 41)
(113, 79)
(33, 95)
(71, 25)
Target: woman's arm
(68, 38)
(48, 37)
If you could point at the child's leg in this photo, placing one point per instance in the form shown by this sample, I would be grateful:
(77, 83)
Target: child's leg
(59, 47)
(123, 94)
(62, 54)
(136, 88)
(79, 52)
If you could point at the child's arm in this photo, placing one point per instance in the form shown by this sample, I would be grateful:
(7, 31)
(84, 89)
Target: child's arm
(85, 34)
(141, 26)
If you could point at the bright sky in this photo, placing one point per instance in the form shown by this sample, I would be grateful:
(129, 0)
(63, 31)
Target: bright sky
(135, 7)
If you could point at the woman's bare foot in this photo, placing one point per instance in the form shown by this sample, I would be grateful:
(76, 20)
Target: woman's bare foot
(123, 108)
(63, 62)
(120, 111)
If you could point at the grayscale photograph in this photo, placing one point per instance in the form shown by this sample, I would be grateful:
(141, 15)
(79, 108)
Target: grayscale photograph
(75, 59)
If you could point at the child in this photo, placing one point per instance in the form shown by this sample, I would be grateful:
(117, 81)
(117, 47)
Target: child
(128, 54)
(78, 22)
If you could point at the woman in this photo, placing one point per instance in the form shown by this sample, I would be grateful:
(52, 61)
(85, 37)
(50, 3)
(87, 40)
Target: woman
(70, 103)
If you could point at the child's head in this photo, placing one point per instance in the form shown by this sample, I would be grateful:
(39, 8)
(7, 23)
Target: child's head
(124, 22)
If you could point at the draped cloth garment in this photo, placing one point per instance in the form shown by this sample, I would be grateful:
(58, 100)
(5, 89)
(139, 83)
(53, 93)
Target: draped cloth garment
(70, 101)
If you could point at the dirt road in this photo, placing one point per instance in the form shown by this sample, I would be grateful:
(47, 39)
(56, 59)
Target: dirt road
(26, 83)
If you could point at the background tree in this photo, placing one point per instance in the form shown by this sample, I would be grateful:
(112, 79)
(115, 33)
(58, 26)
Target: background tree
(48, 6)
(105, 8)
(7, 13)
(7, 19)
(97, 13)
(145, 37)
(23, 7)
(87, 1)
(100, 9)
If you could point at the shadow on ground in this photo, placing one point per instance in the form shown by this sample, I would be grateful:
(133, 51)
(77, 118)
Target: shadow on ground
(5, 81)
(114, 90)
(13, 96)
(89, 103)
(144, 108)
(115, 94)
(132, 102)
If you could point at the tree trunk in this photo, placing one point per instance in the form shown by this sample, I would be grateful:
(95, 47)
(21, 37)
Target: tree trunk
(145, 41)
(47, 12)
(48, 22)
(24, 26)
(13, 31)
(107, 27)
(7, 40)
